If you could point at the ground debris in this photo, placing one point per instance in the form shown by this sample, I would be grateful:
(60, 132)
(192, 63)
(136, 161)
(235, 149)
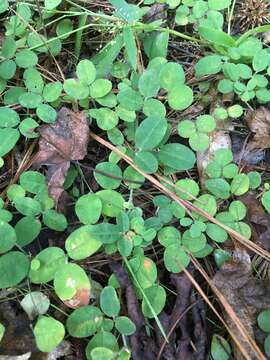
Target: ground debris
(60, 143)
(259, 123)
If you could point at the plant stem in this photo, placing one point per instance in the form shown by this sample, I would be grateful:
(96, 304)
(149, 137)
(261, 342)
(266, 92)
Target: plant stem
(230, 16)
(251, 32)
(78, 38)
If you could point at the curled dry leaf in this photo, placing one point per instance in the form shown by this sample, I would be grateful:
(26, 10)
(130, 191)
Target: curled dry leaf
(61, 142)
(259, 123)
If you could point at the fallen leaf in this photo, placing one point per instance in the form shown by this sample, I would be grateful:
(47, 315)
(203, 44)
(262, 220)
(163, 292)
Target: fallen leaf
(258, 220)
(60, 143)
(259, 123)
(246, 294)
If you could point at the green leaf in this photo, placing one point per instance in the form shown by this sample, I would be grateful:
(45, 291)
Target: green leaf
(52, 91)
(27, 229)
(216, 36)
(175, 258)
(106, 119)
(220, 348)
(8, 117)
(45, 264)
(110, 175)
(82, 243)
(54, 220)
(133, 178)
(208, 65)
(84, 322)
(69, 279)
(150, 132)
(240, 184)
(27, 206)
(7, 69)
(129, 12)
(131, 47)
(48, 333)
(2, 328)
(46, 113)
(157, 298)
(149, 83)
(100, 88)
(216, 233)
(30, 100)
(219, 4)
(88, 208)
(238, 210)
(64, 27)
(33, 181)
(260, 60)
(130, 99)
(76, 89)
(205, 123)
(3, 8)
(52, 4)
(8, 139)
(15, 266)
(169, 235)
(177, 156)
(266, 201)
(105, 232)
(109, 301)
(180, 97)
(218, 187)
(267, 345)
(187, 189)
(27, 127)
(146, 161)
(264, 320)
(15, 190)
(112, 202)
(193, 242)
(102, 339)
(35, 303)
(7, 236)
(170, 75)
(26, 58)
(102, 353)
(124, 325)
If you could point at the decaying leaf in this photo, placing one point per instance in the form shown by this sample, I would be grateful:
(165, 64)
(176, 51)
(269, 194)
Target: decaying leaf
(259, 123)
(246, 295)
(61, 142)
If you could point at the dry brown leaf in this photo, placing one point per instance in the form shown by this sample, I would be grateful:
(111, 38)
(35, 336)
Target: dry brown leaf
(259, 123)
(245, 294)
(61, 142)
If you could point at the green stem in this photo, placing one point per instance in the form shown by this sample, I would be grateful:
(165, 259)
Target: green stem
(141, 26)
(98, 15)
(251, 32)
(78, 38)
(230, 16)
(67, 34)
(145, 298)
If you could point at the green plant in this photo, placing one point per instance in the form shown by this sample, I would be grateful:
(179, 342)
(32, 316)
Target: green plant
(129, 100)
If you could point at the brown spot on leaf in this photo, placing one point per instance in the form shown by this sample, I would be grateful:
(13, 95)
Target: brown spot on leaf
(81, 298)
(61, 142)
